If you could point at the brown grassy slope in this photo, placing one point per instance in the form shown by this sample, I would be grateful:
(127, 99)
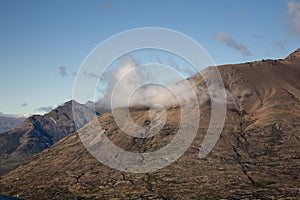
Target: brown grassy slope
(257, 155)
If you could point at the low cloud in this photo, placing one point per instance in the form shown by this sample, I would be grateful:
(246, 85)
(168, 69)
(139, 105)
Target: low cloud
(132, 90)
(44, 109)
(294, 17)
(229, 41)
(62, 71)
(24, 104)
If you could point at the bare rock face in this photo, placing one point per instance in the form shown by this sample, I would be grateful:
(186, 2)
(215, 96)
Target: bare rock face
(256, 157)
(37, 133)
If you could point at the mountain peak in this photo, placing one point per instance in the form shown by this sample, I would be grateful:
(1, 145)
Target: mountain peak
(295, 56)
(39, 132)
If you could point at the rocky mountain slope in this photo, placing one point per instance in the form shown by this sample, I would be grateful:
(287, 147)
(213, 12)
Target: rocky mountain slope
(7, 123)
(256, 157)
(37, 133)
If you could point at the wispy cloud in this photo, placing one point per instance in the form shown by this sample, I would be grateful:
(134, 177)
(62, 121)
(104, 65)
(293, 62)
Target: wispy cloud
(90, 74)
(106, 6)
(229, 41)
(44, 109)
(280, 44)
(257, 36)
(294, 7)
(294, 16)
(24, 104)
(62, 71)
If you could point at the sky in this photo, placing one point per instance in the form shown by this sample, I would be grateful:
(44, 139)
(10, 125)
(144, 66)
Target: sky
(43, 43)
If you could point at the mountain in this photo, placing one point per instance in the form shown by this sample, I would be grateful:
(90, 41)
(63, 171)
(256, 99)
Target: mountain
(7, 123)
(37, 133)
(256, 157)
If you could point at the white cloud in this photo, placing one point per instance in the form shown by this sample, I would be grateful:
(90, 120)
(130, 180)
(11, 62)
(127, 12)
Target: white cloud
(44, 109)
(131, 90)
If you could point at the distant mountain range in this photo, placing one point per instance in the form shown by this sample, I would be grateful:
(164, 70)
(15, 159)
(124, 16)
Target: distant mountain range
(8, 123)
(14, 115)
(39, 132)
(256, 157)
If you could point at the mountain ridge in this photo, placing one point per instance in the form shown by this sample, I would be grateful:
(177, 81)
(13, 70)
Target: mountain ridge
(256, 157)
(37, 133)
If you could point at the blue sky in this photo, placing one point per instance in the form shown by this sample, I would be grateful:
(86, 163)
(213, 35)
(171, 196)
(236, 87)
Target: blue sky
(43, 43)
